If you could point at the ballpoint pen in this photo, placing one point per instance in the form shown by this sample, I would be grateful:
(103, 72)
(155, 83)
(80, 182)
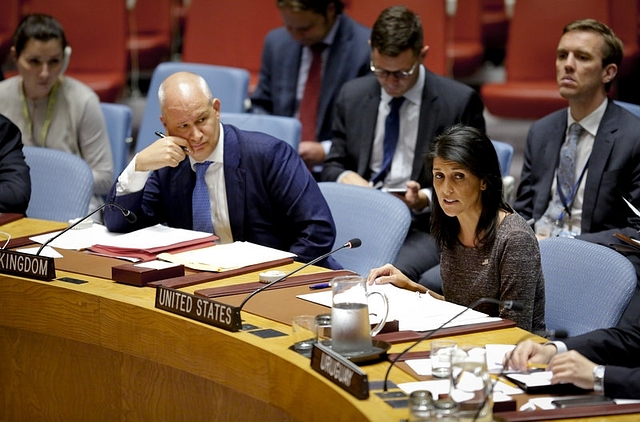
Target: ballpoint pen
(320, 286)
(162, 135)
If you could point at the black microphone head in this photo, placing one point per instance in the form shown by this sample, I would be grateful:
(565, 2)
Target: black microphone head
(514, 305)
(130, 216)
(354, 243)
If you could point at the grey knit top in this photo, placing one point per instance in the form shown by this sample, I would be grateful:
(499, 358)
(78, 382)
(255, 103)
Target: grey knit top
(507, 269)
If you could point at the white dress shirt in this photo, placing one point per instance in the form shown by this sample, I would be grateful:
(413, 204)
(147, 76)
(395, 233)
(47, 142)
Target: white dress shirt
(131, 181)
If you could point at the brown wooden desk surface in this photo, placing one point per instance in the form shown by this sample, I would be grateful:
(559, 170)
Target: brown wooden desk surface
(101, 351)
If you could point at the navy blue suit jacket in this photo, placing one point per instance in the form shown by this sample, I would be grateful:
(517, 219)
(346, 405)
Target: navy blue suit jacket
(272, 198)
(348, 58)
(15, 182)
(618, 349)
(613, 171)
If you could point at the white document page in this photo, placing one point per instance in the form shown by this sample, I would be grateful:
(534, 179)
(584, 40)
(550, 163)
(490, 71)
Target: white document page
(76, 239)
(226, 257)
(413, 311)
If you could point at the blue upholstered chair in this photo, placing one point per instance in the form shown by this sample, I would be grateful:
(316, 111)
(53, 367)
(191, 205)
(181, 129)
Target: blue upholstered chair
(61, 184)
(286, 128)
(588, 286)
(634, 108)
(379, 219)
(229, 84)
(118, 119)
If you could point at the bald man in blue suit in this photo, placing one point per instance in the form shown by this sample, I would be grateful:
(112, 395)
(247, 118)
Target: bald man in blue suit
(259, 189)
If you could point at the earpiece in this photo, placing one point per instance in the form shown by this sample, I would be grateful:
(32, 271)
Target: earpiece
(65, 59)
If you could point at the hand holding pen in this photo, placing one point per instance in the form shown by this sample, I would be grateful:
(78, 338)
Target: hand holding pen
(162, 135)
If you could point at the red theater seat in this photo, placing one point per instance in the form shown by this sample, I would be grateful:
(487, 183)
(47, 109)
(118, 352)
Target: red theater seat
(8, 23)
(229, 35)
(530, 90)
(149, 34)
(466, 50)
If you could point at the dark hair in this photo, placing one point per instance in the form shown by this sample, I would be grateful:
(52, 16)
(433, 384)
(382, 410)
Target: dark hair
(613, 48)
(39, 27)
(473, 150)
(317, 6)
(396, 30)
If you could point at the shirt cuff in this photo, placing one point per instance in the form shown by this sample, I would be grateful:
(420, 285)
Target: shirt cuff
(130, 180)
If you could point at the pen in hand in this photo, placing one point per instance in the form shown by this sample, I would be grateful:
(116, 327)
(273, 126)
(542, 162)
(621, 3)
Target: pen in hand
(162, 135)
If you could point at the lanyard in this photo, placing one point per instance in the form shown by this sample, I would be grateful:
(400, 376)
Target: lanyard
(53, 95)
(567, 203)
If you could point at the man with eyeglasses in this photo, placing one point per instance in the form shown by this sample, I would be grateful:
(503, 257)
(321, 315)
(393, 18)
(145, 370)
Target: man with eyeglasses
(383, 124)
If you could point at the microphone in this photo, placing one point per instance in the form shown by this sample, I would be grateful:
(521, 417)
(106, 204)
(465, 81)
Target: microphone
(507, 304)
(351, 244)
(129, 215)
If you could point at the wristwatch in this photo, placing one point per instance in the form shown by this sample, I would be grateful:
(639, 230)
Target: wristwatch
(598, 378)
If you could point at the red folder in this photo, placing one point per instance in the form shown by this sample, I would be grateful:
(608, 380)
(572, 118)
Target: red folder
(150, 254)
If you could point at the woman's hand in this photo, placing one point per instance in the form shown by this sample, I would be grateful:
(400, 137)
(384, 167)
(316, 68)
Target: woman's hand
(390, 274)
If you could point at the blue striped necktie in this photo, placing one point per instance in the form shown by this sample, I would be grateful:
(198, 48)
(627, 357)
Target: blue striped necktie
(200, 201)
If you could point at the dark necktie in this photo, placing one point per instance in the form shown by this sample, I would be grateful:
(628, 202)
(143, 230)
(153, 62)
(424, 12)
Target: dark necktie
(391, 134)
(310, 97)
(567, 165)
(200, 201)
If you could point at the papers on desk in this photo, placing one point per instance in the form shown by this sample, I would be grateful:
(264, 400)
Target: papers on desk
(413, 311)
(143, 244)
(226, 257)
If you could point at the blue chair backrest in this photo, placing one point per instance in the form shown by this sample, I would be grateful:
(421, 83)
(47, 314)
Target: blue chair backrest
(118, 119)
(229, 84)
(505, 155)
(634, 108)
(378, 218)
(61, 184)
(587, 286)
(286, 128)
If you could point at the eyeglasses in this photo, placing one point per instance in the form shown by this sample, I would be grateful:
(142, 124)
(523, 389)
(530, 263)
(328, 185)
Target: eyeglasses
(398, 74)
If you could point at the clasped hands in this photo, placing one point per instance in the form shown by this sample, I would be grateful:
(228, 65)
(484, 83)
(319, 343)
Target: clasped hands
(570, 367)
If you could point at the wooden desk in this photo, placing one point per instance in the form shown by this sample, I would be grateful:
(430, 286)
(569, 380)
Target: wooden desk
(101, 351)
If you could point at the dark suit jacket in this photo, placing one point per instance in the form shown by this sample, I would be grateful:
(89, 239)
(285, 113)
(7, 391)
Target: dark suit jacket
(276, 91)
(272, 198)
(444, 103)
(613, 171)
(15, 182)
(619, 350)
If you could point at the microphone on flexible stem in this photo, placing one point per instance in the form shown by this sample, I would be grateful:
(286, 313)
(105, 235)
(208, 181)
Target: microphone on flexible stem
(351, 244)
(129, 215)
(508, 304)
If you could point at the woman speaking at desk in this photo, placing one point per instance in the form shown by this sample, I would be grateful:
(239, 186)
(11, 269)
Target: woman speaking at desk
(488, 250)
(52, 110)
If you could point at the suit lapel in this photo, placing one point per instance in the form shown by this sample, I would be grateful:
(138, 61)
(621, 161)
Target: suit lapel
(289, 75)
(368, 116)
(235, 183)
(553, 140)
(602, 146)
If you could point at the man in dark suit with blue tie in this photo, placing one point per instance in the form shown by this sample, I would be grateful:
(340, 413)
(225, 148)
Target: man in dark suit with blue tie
(284, 85)
(607, 157)
(384, 123)
(259, 190)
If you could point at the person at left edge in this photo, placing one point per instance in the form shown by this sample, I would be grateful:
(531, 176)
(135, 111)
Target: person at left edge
(260, 190)
(15, 182)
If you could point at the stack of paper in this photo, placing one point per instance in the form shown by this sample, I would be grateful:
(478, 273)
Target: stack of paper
(146, 243)
(226, 257)
(413, 311)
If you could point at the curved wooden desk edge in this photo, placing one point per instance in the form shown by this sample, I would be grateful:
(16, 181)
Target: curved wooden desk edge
(106, 344)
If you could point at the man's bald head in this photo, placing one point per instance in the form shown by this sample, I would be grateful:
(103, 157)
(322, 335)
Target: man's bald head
(182, 85)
